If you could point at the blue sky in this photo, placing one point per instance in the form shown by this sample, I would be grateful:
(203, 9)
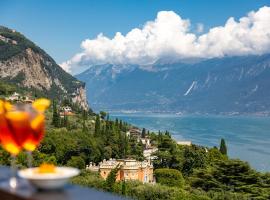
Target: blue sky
(59, 27)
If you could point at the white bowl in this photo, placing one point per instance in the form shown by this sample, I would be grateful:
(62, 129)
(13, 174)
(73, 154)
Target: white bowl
(49, 180)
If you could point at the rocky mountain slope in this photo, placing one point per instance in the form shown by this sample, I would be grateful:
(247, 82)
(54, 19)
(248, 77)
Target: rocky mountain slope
(230, 85)
(28, 66)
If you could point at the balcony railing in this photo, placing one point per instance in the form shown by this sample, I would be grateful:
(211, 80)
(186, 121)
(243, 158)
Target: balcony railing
(27, 192)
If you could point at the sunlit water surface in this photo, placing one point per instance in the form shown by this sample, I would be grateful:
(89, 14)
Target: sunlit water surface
(248, 138)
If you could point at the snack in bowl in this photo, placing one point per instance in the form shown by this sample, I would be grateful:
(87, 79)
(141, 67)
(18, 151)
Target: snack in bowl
(48, 176)
(46, 168)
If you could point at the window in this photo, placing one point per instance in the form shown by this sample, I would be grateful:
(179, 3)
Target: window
(145, 179)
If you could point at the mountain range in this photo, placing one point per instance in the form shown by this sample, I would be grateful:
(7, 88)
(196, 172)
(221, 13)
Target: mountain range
(228, 85)
(28, 66)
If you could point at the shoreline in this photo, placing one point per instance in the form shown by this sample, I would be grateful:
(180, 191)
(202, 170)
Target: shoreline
(240, 132)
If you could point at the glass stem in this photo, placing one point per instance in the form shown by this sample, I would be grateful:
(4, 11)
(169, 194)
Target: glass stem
(13, 179)
(29, 158)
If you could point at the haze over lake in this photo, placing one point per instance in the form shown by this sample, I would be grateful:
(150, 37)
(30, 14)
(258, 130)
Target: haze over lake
(248, 138)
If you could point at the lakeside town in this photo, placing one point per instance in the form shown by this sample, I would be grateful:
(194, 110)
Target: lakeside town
(130, 169)
(143, 100)
(114, 154)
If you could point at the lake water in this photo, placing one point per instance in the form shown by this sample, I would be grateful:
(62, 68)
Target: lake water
(247, 138)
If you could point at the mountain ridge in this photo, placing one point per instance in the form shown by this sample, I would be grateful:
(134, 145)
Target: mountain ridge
(28, 66)
(229, 85)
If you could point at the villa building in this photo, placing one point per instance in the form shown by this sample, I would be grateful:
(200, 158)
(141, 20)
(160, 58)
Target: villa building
(148, 153)
(129, 169)
(14, 97)
(19, 98)
(134, 132)
(146, 142)
(66, 111)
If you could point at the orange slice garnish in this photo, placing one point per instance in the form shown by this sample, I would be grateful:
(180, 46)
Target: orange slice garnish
(41, 104)
(46, 168)
(37, 121)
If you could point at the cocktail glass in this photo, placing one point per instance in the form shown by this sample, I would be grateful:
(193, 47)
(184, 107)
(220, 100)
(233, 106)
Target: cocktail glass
(37, 125)
(14, 126)
(21, 126)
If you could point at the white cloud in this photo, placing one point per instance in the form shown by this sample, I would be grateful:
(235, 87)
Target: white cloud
(200, 28)
(169, 36)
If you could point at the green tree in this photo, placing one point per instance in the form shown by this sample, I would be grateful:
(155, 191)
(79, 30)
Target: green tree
(232, 175)
(194, 157)
(97, 126)
(111, 178)
(103, 114)
(56, 116)
(77, 162)
(169, 177)
(64, 121)
(223, 147)
(123, 188)
(143, 133)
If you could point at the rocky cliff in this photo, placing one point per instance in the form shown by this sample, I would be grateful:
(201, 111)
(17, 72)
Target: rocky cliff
(28, 66)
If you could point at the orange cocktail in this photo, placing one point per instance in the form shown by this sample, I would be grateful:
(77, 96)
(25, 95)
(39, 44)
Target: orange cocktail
(13, 125)
(22, 125)
(35, 134)
(37, 124)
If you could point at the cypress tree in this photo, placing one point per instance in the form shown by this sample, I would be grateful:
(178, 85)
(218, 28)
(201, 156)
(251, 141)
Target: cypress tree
(124, 189)
(97, 126)
(84, 115)
(85, 129)
(65, 121)
(56, 116)
(121, 125)
(111, 178)
(143, 133)
(223, 147)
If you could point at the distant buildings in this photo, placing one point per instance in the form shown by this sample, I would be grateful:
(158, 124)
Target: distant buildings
(66, 111)
(146, 142)
(20, 98)
(8, 40)
(14, 97)
(130, 169)
(187, 143)
(134, 132)
(148, 153)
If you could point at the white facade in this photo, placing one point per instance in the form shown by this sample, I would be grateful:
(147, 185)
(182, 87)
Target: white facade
(187, 143)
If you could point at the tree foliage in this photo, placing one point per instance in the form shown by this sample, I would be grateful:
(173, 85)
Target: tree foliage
(169, 177)
(77, 162)
(111, 178)
(223, 147)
